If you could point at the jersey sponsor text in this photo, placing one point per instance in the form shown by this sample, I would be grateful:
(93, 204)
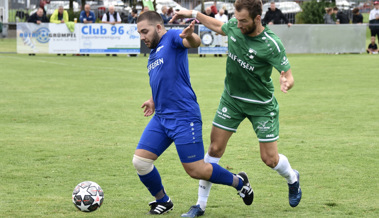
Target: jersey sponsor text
(155, 64)
(242, 63)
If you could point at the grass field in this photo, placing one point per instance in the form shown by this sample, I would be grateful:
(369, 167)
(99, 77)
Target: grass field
(64, 120)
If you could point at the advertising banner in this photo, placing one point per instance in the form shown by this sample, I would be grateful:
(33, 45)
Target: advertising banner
(62, 41)
(212, 42)
(33, 38)
(85, 39)
(107, 38)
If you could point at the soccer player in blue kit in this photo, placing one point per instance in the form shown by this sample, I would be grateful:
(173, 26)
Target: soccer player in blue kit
(177, 115)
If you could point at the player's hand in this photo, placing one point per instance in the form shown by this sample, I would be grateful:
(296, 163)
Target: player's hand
(149, 107)
(283, 83)
(181, 14)
(188, 31)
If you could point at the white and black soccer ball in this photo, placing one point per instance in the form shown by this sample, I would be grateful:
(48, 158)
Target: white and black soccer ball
(87, 196)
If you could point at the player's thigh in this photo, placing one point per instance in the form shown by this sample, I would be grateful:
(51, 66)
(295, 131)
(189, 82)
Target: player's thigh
(154, 138)
(188, 138)
(265, 121)
(229, 115)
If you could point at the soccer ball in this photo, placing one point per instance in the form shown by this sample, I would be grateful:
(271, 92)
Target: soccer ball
(87, 196)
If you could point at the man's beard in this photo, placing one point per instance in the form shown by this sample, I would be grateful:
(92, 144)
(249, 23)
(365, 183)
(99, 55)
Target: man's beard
(154, 43)
(250, 30)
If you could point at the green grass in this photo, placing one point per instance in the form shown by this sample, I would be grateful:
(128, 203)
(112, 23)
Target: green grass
(64, 120)
(8, 45)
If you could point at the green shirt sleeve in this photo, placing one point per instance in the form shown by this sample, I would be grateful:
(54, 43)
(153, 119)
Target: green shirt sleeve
(225, 27)
(278, 58)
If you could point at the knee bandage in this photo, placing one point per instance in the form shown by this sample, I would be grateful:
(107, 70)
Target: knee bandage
(143, 165)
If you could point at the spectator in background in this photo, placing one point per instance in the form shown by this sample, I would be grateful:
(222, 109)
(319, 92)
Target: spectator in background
(372, 47)
(59, 15)
(146, 8)
(226, 11)
(374, 20)
(170, 12)
(208, 12)
(165, 15)
(42, 4)
(221, 16)
(341, 17)
(214, 7)
(38, 17)
(275, 16)
(219, 38)
(132, 18)
(328, 19)
(111, 17)
(357, 17)
(87, 16)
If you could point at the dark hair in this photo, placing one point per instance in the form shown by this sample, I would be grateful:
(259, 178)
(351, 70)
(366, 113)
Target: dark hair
(135, 11)
(254, 7)
(150, 16)
(170, 10)
(355, 10)
(335, 9)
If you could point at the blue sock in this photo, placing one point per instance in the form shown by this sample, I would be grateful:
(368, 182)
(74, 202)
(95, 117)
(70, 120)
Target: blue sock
(152, 181)
(164, 199)
(240, 184)
(221, 175)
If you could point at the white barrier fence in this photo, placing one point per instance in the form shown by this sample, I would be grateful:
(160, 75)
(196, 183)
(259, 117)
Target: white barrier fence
(322, 38)
(124, 39)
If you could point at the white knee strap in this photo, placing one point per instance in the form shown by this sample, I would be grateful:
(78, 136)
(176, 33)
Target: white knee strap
(143, 165)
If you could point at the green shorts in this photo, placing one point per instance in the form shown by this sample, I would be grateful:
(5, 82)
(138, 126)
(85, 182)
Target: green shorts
(264, 117)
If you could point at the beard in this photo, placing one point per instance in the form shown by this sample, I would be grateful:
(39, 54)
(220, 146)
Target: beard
(249, 30)
(155, 41)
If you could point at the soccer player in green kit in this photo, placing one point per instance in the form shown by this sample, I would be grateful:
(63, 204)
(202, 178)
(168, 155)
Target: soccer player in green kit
(249, 92)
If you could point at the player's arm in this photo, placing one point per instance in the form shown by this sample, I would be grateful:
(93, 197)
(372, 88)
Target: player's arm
(209, 22)
(190, 39)
(286, 80)
(149, 107)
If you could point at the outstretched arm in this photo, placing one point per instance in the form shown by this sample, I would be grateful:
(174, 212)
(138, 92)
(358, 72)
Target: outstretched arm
(190, 39)
(286, 81)
(209, 22)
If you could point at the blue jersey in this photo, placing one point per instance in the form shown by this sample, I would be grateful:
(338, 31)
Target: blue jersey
(170, 80)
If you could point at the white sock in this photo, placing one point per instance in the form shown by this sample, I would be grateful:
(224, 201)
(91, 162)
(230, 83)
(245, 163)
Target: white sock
(205, 186)
(284, 169)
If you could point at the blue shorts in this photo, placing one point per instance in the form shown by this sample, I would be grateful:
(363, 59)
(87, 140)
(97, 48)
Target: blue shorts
(186, 133)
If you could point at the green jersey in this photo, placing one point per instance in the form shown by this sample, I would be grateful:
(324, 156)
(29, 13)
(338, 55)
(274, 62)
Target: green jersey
(249, 64)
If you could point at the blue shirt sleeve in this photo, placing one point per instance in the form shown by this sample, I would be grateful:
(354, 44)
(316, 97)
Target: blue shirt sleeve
(177, 41)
